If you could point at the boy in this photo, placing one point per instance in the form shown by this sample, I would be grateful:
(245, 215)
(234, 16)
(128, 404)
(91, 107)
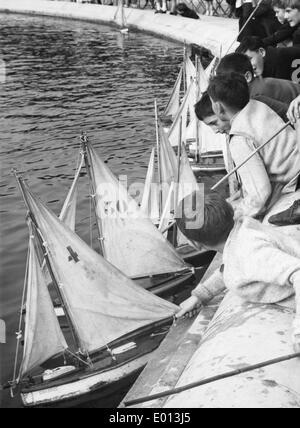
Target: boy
(267, 61)
(276, 168)
(285, 33)
(292, 15)
(280, 90)
(260, 264)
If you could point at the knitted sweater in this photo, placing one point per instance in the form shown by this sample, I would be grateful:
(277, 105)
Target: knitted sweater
(261, 265)
(274, 167)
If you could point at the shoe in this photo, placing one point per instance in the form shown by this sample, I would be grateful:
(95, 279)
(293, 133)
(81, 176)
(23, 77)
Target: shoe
(287, 217)
(158, 11)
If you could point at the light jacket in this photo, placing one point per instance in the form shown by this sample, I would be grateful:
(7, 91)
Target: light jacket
(271, 171)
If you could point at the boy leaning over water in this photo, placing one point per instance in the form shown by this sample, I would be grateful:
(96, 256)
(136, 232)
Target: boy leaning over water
(260, 264)
(274, 171)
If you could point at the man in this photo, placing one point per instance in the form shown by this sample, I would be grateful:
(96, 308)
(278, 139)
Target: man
(280, 90)
(276, 168)
(260, 263)
(280, 63)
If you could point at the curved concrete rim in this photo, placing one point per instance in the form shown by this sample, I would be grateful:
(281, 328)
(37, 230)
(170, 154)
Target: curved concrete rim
(215, 34)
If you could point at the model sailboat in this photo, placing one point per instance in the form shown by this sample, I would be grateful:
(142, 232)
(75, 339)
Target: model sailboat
(120, 18)
(128, 239)
(113, 324)
(204, 146)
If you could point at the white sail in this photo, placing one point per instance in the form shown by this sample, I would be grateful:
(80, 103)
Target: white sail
(190, 71)
(203, 79)
(131, 243)
(68, 212)
(187, 185)
(186, 107)
(174, 100)
(103, 304)
(119, 17)
(150, 205)
(43, 337)
(211, 68)
(211, 142)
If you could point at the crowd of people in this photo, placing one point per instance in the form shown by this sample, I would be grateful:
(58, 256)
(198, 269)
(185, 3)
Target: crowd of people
(254, 97)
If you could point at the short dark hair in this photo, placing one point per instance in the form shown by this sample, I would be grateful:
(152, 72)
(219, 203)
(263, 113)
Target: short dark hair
(237, 62)
(203, 108)
(279, 3)
(218, 219)
(230, 89)
(251, 43)
(293, 4)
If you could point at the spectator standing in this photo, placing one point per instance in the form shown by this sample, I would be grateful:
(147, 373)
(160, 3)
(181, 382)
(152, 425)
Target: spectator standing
(209, 7)
(161, 6)
(244, 8)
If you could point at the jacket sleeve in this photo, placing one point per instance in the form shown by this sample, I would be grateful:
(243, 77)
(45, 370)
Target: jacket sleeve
(211, 288)
(281, 35)
(276, 274)
(254, 177)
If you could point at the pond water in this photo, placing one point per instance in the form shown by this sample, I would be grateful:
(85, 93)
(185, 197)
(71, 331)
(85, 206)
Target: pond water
(64, 77)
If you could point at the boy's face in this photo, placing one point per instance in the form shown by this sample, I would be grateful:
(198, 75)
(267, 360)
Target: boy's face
(280, 14)
(292, 16)
(217, 125)
(257, 59)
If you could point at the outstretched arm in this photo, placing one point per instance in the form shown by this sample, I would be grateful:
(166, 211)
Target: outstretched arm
(202, 294)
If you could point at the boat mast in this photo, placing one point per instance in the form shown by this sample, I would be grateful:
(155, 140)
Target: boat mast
(160, 203)
(87, 160)
(198, 146)
(184, 68)
(36, 231)
(175, 230)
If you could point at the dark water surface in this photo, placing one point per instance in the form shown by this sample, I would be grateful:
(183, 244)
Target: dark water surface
(64, 77)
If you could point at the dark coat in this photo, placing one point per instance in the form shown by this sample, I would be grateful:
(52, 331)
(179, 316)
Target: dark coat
(281, 63)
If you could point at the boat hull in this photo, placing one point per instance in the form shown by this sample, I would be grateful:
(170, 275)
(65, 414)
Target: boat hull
(113, 367)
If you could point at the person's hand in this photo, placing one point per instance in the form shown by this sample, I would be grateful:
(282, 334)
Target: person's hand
(293, 112)
(189, 307)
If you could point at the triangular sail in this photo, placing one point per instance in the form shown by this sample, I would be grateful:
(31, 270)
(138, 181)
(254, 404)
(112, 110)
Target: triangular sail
(211, 142)
(149, 205)
(131, 242)
(186, 107)
(174, 100)
(211, 67)
(68, 212)
(190, 71)
(43, 337)
(119, 17)
(102, 303)
(203, 79)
